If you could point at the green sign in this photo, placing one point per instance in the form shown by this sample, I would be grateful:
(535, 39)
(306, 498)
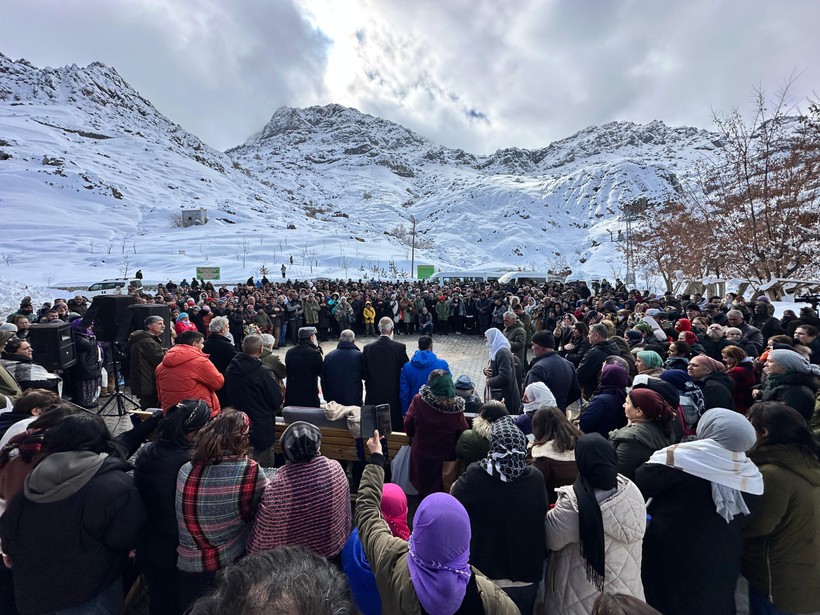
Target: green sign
(425, 271)
(207, 273)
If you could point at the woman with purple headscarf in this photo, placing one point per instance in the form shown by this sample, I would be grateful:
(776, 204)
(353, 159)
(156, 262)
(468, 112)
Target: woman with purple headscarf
(86, 373)
(430, 573)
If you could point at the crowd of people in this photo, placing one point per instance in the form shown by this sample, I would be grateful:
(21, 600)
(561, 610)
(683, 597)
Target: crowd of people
(630, 453)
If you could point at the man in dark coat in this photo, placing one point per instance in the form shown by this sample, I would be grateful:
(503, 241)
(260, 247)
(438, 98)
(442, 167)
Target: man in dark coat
(343, 372)
(590, 366)
(516, 334)
(252, 388)
(553, 370)
(146, 352)
(383, 360)
(303, 363)
(220, 350)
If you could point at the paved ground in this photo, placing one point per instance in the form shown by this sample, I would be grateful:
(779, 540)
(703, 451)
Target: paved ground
(466, 354)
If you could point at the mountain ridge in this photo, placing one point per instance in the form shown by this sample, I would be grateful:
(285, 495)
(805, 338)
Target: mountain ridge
(330, 184)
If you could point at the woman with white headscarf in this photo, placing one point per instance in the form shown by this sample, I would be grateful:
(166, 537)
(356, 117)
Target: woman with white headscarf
(536, 395)
(501, 373)
(700, 495)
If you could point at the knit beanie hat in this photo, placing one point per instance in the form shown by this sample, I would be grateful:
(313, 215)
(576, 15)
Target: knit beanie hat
(545, 339)
(793, 361)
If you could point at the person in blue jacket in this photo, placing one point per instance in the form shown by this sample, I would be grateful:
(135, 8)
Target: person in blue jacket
(415, 372)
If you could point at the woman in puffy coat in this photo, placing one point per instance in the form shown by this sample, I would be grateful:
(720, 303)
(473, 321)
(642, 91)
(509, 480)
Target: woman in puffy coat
(781, 551)
(596, 531)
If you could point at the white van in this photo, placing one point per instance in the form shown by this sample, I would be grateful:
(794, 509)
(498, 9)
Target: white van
(465, 276)
(109, 287)
(532, 277)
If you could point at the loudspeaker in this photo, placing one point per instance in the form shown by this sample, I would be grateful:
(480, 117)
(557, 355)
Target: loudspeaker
(111, 317)
(52, 345)
(141, 311)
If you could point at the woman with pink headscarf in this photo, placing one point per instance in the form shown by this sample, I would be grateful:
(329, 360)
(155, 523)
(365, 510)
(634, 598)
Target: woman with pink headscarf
(354, 561)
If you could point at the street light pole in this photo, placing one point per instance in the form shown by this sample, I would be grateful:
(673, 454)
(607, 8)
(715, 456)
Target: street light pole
(413, 249)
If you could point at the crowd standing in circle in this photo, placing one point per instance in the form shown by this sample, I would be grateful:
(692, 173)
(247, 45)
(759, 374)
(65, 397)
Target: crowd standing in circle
(648, 451)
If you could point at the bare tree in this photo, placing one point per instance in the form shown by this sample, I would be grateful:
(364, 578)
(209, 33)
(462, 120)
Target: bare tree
(344, 263)
(126, 264)
(760, 192)
(6, 257)
(244, 246)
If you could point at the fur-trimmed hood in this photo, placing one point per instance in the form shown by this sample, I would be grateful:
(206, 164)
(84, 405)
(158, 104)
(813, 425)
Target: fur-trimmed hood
(548, 451)
(483, 427)
(451, 405)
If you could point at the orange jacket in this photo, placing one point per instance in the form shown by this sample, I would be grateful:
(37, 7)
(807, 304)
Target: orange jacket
(187, 373)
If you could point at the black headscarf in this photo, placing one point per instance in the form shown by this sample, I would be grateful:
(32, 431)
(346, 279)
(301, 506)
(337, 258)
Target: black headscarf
(597, 469)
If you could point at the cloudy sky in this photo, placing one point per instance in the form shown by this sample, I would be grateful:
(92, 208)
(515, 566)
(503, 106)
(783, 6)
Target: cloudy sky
(475, 74)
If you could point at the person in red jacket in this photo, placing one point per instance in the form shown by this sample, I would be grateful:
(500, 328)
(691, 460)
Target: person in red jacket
(184, 324)
(187, 373)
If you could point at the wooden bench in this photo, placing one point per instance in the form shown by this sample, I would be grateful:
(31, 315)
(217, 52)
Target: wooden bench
(337, 443)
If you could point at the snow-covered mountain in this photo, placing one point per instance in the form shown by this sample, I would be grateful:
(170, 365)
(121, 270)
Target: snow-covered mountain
(92, 177)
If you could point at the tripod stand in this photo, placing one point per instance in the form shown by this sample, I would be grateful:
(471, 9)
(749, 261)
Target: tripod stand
(119, 398)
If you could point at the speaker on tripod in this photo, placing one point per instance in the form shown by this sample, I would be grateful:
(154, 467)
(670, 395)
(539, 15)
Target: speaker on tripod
(112, 322)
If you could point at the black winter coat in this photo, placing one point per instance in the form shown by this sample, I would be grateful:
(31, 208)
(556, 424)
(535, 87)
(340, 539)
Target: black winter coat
(220, 351)
(303, 363)
(66, 552)
(155, 476)
(691, 556)
(252, 388)
(590, 365)
(718, 390)
(88, 366)
(382, 361)
(796, 390)
(500, 549)
(558, 374)
(342, 375)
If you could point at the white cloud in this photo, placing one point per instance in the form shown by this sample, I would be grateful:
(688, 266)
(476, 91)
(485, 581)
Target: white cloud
(476, 74)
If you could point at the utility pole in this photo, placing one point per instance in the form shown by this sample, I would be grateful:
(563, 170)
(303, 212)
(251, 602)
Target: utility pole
(631, 213)
(413, 249)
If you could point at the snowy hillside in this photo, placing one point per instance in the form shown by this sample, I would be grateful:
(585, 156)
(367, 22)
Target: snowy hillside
(92, 177)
